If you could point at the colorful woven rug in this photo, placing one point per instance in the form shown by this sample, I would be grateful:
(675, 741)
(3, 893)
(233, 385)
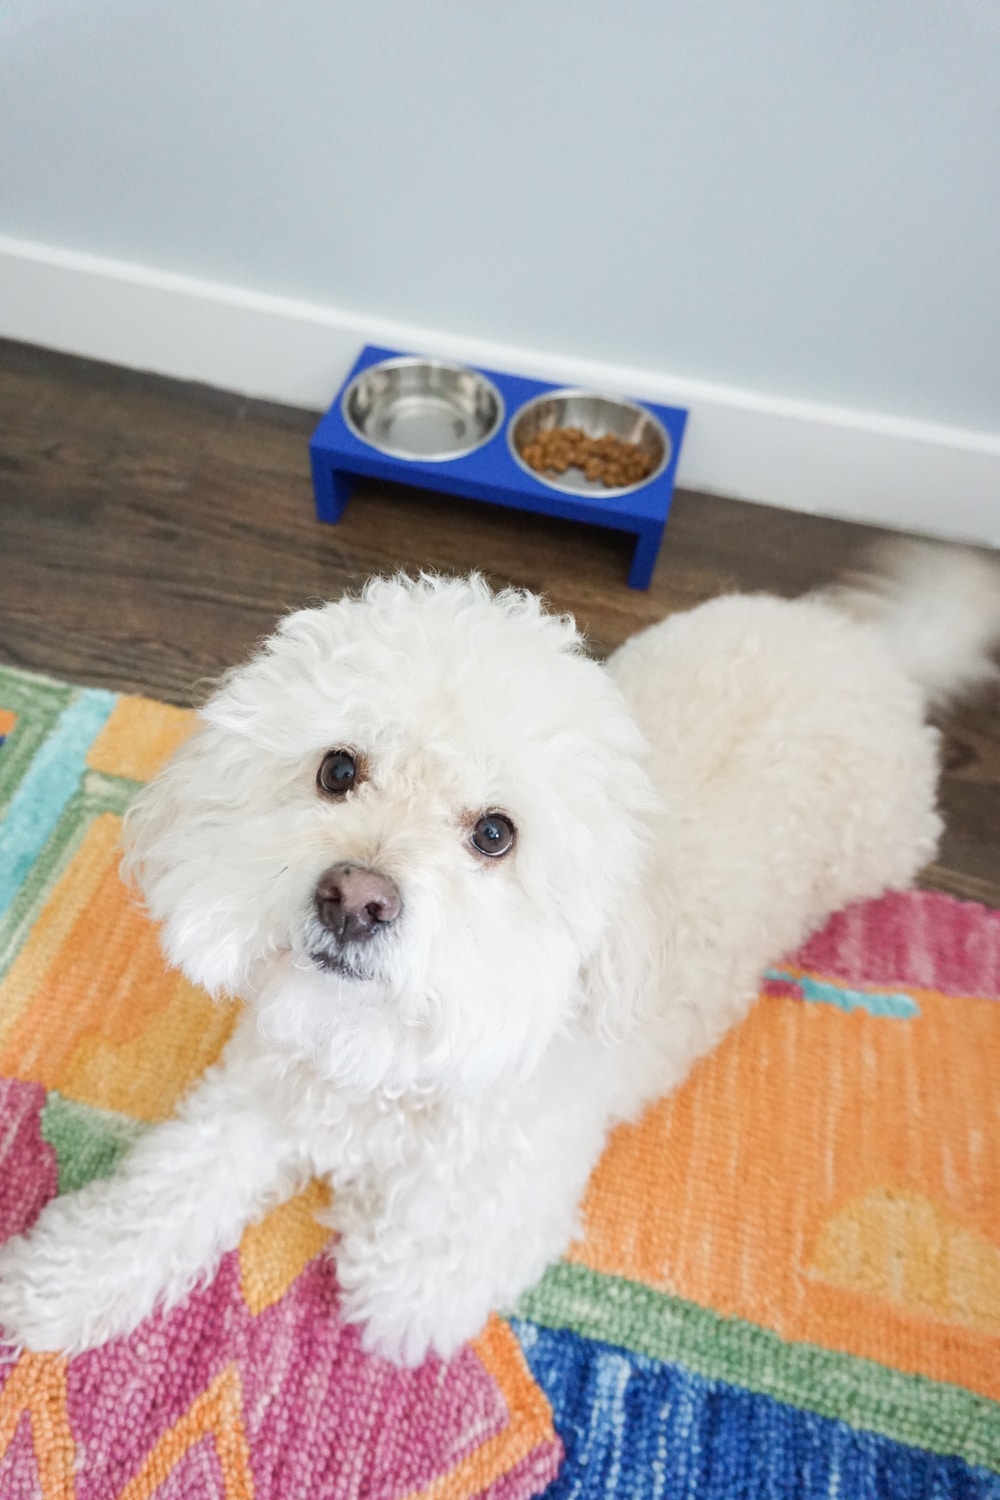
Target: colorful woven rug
(789, 1285)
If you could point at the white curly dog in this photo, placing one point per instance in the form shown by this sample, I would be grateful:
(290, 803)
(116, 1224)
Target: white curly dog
(482, 898)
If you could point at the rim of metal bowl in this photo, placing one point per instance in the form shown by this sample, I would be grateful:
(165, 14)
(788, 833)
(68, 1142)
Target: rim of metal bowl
(411, 361)
(566, 391)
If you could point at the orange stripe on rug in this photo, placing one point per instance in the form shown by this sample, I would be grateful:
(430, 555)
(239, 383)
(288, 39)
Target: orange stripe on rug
(811, 1145)
(529, 1426)
(139, 738)
(276, 1250)
(217, 1413)
(37, 1386)
(98, 1014)
(72, 893)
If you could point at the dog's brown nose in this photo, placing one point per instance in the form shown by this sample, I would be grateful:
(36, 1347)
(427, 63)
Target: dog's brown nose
(354, 903)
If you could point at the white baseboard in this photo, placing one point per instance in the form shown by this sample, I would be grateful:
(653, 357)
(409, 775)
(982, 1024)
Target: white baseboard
(863, 466)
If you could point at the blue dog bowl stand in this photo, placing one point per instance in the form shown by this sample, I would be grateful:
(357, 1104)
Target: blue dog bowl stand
(491, 474)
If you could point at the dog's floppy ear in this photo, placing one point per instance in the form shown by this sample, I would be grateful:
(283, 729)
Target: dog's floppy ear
(176, 834)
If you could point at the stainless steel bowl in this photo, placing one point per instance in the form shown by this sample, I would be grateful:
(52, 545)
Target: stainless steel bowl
(598, 416)
(422, 409)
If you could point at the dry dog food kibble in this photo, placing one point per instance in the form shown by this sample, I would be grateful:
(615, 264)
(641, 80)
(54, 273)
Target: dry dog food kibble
(610, 459)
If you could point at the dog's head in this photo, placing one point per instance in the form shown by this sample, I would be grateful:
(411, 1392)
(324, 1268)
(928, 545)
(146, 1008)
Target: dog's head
(403, 832)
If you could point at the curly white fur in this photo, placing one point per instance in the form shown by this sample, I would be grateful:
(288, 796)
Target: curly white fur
(684, 816)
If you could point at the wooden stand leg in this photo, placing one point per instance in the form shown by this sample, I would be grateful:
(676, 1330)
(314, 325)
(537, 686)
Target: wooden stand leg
(647, 547)
(331, 487)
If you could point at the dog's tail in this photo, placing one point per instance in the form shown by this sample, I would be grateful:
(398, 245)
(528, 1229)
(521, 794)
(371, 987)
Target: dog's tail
(937, 607)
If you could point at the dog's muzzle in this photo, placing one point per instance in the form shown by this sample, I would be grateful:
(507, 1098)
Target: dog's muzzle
(354, 904)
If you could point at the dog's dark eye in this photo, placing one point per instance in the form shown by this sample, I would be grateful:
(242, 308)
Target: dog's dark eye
(493, 835)
(337, 774)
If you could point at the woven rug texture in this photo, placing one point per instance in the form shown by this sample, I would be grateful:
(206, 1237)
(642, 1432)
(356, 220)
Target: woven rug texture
(789, 1283)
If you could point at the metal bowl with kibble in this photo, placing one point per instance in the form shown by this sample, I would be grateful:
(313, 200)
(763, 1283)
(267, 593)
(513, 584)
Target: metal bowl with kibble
(583, 443)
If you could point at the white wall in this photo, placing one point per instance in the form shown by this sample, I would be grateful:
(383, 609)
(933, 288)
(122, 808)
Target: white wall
(792, 205)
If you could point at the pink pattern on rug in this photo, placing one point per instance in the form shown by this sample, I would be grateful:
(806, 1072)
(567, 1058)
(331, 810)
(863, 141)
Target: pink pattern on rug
(781, 989)
(29, 1173)
(320, 1416)
(920, 938)
(198, 1476)
(19, 1466)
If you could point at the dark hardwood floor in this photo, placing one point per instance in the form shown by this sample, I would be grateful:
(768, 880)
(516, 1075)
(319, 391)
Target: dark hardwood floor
(151, 531)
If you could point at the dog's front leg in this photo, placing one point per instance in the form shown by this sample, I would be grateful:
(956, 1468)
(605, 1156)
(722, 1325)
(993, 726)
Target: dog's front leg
(99, 1260)
(460, 1226)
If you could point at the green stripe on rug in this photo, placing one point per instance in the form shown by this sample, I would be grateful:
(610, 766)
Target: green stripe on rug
(88, 1142)
(37, 702)
(870, 1397)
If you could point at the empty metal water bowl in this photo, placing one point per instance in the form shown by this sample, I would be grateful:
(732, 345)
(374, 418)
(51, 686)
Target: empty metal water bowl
(597, 416)
(422, 409)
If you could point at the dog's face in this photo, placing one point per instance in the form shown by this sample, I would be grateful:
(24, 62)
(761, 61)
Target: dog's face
(402, 833)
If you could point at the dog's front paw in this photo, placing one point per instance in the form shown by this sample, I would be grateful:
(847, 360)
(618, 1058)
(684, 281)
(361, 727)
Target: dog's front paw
(70, 1284)
(40, 1303)
(404, 1315)
(404, 1336)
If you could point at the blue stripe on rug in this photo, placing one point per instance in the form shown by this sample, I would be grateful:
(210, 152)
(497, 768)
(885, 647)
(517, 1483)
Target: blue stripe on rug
(47, 786)
(638, 1429)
